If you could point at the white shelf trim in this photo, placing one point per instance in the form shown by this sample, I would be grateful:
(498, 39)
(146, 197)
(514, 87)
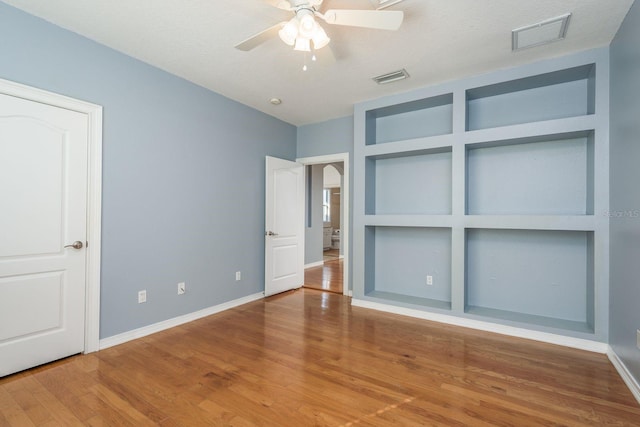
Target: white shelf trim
(578, 343)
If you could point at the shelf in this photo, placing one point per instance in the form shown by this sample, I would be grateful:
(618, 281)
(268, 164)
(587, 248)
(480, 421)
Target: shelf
(412, 184)
(532, 222)
(534, 274)
(498, 222)
(415, 119)
(580, 125)
(546, 175)
(439, 221)
(408, 147)
(528, 319)
(559, 94)
(399, 259)
(385, 297)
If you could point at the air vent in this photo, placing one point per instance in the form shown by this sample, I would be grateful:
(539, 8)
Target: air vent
(544, 32)
(391, 77)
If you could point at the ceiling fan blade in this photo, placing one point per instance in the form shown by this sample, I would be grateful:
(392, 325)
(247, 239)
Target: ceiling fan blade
(261, 37)
(378, 19)
(383, 4)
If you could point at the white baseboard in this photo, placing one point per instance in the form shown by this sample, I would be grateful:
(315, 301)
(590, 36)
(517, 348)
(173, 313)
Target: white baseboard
(176, 321)
(628, 379)
(313, 264)
(582, 344)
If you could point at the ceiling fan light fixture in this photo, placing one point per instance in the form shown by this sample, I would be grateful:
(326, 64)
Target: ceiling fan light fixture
(301, 30)
(320, 38)
(304, 27)
(308, 26)
(289, 32)
(302, 45)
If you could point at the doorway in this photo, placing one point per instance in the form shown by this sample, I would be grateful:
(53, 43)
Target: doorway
(332, 211)
(321, 231)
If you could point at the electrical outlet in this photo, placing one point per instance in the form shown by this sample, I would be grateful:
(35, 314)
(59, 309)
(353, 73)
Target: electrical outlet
(429, 280)
(238, 275)
(142, 296)
(182, 288)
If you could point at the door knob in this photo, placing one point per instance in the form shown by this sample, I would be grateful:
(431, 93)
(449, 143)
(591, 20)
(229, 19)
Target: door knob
(270, 233)
(75, 245)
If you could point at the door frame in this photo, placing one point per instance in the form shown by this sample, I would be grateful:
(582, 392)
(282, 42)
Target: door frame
(346, 227)
(94, 196)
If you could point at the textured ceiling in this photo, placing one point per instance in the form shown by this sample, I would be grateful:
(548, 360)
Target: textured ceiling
(439, 40)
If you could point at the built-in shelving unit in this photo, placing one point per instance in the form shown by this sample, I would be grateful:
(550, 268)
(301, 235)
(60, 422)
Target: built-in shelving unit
(493, 187)
(548, 279)
(549, 96)
(423, 176)
(413, 253)
(421, 118)
(542, 175)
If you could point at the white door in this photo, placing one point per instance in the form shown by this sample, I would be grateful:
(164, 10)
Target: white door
(284, 226)
(43, 199)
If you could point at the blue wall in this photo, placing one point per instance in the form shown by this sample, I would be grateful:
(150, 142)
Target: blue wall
(183, 173)
(330, 137)
(321, 139)
(624, 193)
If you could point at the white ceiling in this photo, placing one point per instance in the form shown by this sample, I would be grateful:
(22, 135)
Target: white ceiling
(439, 40)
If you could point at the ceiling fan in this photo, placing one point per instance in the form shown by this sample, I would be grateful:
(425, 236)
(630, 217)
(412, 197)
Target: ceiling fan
(303, 29)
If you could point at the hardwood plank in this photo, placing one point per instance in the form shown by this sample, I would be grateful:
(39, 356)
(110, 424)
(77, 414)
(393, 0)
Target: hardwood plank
(70, 391)
(327, 277)
(62, 414)
(309, 358)
(11, 414)
(36, 412)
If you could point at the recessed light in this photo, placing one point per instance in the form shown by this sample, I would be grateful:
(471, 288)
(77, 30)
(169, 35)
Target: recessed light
(275, 101)
(544, 32)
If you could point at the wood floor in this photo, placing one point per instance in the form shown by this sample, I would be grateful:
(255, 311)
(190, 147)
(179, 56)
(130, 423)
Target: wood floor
(327, 277)
(330, 254)
(307, 358)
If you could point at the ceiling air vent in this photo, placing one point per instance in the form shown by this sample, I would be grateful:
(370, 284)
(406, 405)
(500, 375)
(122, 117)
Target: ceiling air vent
(391, 77)
(544, 32)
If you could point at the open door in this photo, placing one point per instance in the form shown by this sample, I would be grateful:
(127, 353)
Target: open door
(284, 226)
